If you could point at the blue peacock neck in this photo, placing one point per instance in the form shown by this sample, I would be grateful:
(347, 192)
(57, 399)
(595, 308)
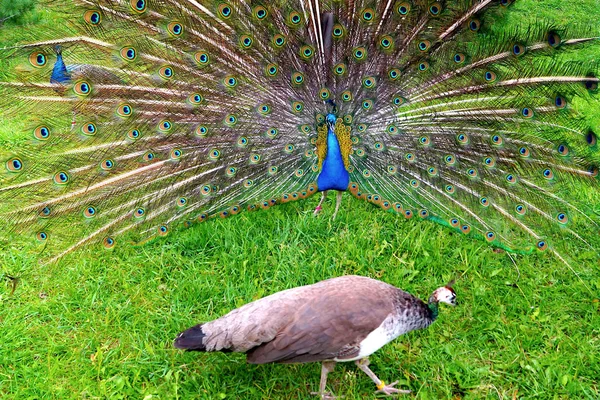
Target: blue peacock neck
(333, 173)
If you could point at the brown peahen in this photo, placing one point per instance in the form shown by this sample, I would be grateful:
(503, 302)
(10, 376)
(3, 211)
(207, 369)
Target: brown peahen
(145, 114)
(337, 320)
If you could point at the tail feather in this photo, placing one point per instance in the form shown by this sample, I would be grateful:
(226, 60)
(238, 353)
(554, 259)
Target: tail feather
(191, 339)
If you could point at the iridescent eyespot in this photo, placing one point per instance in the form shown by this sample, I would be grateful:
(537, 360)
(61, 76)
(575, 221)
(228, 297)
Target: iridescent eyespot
(264, 109)
(484, 201)
(391, 169)
(348, 119)
(248, 183)
(542, 245)
(231, 171)
(450, 160)
(324, 94)
(368, 82)
(408, 214)
(163, 230)
(45, 212)
(424, 45)
(271, 70)
(423, 66)
(260, 12)
(520, 209)
(338, 31)
(166, 72)
(134, 134)
(148, 156)
(339, 69)
(214, 154)
(367, 104)
(367, 15)
(254, 158)
(230, 81)
(560, 102)
(139, 212)
(165, 125)
(279, 40)
(108, 242)
(89, 212)
(92, 17)
(202, 57)
(489, 76)
(294, 18)
(398, 100)
(424, 140)
(459, 58)
(297, 78)
(138, 5)
(465, 229)
(82, 88)
(591, 138)
(527, 112)
(182, 202)
(496, 140)
(201, 131)
(462, 138)
(392, 129)
(518, 49)
(205, 190)
(394, 74)
(89, 129)
(510, 178)
(548, 174)
(472, 173)
(124, 110)
(366, 173)
(386, 43)
(289, 148)
(361, 127)
(454, 222)
(409, 157)
(320, 118)
(230, 120)
(297, 106)
(304, 128)
(490, 236)
(14, 165)
(306, 52)
(107, 164)
(271, 133)
(41, 236)
(432, 171)
(61, 178)
(524, 152)
(378, 146)
(175, 28)
(273, 170)
(195, 99)
(423, 213)
(225, 10)
(246, 41)
(359, 53)
(128, 53)
(474, 25)
(449, 189)
(562, 150)
(403, 8)
(346, 96)
(553, 39)
(41, 132)
(175, 154)
(435, 9)
(489, 162)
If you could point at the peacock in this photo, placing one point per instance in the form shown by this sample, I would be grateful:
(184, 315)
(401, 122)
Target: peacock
(141, 116)
(337, 320)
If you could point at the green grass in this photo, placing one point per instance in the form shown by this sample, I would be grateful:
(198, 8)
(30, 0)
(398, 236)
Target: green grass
(101, 324)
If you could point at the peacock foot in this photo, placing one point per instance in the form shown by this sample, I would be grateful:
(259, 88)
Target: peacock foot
(390, 390)
(317, 210)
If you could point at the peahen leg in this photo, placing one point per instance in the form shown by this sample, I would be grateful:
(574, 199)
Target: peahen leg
(389, 390)
(338, 201)
(326, 368)
(319, 208)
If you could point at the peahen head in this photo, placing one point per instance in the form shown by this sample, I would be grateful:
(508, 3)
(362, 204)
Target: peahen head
(444, 294)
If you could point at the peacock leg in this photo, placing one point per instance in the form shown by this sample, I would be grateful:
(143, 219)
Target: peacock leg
(389, 390)
(326, 367)
(319, 208)
(338, 201)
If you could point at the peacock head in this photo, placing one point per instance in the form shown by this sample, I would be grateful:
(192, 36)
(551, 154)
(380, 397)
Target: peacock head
(444, 294)
(331, 118)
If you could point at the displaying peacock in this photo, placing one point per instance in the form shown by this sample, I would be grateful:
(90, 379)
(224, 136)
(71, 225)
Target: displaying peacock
(173, 111)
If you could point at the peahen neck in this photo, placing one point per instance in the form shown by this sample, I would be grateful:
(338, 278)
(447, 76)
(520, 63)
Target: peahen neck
(433, 305)
(333, 174)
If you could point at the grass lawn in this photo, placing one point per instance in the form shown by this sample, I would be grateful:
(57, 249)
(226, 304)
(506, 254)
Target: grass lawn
(100, 324)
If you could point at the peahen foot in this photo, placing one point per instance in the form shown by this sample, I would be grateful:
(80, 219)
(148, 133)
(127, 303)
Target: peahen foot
(390, 390)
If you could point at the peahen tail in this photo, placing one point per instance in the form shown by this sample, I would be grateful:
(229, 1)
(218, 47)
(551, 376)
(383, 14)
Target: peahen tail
(174, 111)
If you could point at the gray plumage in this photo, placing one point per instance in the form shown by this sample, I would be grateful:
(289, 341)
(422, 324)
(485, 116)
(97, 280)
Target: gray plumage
(340, 319)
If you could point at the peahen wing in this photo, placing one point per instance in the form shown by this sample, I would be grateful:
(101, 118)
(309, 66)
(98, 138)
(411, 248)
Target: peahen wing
(183, 111)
